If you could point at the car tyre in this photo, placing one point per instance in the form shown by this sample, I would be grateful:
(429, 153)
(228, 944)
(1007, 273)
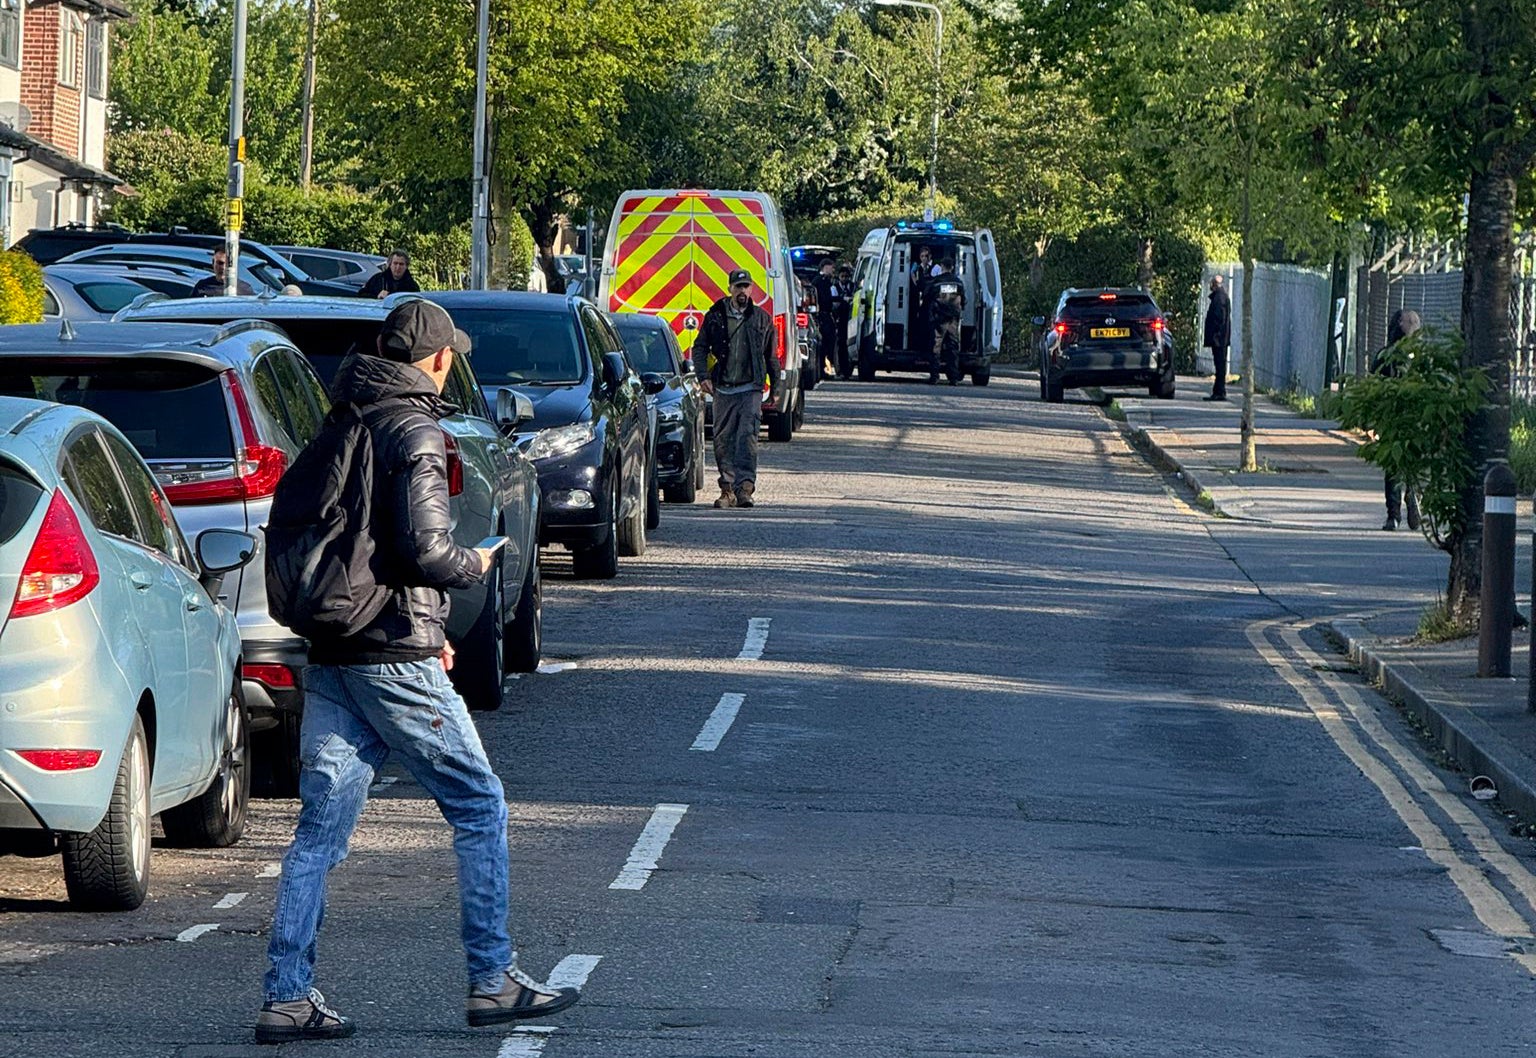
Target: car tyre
(810, 373)
(524, 634)
(632, 531)
(479, 667)
(652, 500)
(981, 376)
(601, 560)
(687, 490)
(1163, 389)
(866, 370)
(107, 869)
(1052, 392)
(781, 426)
(216, 819)
(275, 765)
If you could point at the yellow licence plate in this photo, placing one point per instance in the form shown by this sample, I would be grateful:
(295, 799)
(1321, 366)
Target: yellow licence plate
(1109, 332)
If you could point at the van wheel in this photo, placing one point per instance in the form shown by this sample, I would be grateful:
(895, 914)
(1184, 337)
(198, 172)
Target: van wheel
(601, 560)
(217, 818)
(632, 531)
(275, 763)
(524, 634)
(480, 666)
(781, 426)
(981, 376)
(107, 869)
(866, 370)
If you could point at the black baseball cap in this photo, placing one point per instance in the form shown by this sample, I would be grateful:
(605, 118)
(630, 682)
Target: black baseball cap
(740, 277)
(416, 330)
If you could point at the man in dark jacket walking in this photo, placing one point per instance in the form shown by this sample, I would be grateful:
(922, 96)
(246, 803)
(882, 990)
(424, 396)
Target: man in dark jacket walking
(1218, 335)
(1404, 322)
(394, 278)
(735, 359)
(384, 690)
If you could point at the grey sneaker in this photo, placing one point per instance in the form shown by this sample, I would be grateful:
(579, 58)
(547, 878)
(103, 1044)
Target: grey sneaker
(520, 996)
(301, 1019)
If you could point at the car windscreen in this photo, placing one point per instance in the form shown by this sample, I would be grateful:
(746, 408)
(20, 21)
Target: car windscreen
(19, 496)
(522, 347)
(109, 295)
(167, 409)
(1125, 306)
(646, 347)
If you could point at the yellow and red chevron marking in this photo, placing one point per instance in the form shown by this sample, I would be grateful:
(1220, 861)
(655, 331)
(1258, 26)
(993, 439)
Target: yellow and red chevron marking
(675, 252)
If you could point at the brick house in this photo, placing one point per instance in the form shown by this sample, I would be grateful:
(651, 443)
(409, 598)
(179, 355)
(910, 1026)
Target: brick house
(53, 112)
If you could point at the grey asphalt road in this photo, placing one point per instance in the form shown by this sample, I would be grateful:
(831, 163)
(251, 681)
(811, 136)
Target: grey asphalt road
(1036, 760)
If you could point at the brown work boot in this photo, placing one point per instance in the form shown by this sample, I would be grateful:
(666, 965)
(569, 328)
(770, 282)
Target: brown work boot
(518, 997)
(727, 498)
(744, 494)
(301, 1019)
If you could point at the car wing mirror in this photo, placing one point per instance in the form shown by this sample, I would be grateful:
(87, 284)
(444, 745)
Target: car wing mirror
(512, 409)
(1038, 321)
(221, 551)
(653, 383)
(614, 371)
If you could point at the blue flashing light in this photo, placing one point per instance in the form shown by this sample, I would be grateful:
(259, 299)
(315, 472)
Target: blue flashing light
(901, 224)
(944, 225)
(799, 253)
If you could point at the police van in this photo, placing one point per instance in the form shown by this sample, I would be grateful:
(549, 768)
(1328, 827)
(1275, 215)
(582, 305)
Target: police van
(888, 331)
(669, 254)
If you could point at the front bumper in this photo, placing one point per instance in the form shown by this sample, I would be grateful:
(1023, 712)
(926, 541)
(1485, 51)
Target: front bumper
(575, 507)
(672, 455)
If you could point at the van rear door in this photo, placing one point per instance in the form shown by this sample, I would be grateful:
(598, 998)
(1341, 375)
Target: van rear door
(990, 283)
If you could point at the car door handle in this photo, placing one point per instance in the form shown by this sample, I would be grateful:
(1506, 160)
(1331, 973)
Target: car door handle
(195, 602)
(140, 580)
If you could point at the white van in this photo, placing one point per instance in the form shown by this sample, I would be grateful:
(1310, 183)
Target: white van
(669, 254)
(885, 333)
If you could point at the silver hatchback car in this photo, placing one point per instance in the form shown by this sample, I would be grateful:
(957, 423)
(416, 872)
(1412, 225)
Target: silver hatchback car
(119, 664)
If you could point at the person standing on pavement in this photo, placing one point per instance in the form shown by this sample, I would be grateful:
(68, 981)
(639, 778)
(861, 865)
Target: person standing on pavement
(1218, 335)
(737, 357)
(384, 689)
(843, 311)
(394, 278)
(213, 286)
(1403, 323)
(827, 295)
(946, 305)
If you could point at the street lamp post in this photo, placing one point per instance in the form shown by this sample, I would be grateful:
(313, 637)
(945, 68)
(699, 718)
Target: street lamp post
(938, 94)
(479, 251)
(234, 216)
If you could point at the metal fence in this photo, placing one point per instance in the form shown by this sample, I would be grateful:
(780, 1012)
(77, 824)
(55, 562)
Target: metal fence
(1292, 311)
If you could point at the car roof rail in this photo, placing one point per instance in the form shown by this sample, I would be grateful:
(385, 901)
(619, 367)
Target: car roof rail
(147, 298)
(238, 327)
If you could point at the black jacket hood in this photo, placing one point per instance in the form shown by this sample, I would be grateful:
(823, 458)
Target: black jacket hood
(366, 380)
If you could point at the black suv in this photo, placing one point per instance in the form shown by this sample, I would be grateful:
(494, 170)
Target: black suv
(49, 245)
(1106, 336)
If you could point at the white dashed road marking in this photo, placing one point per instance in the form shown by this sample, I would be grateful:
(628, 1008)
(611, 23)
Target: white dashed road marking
(191, 933)
(527, 1042)
(573, 971)
(648, 849)
(719, 723)
(229, 900)
(757, 639)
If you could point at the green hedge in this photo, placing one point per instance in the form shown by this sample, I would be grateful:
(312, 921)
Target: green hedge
(21, 288)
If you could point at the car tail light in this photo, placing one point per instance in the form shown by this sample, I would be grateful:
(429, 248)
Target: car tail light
(256, 470)
(802, 320)
(781, 328)
(60, 569)
(1158, 325)
(1061, 329)
(455, 464)
(61, 759)
(1107, 296)
(278, 677)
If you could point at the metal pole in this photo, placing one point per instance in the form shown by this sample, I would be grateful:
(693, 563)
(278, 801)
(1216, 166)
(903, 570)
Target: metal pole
(479, 251)
(1497, 607)
(938, 104)
(307, 121)
(234, 218)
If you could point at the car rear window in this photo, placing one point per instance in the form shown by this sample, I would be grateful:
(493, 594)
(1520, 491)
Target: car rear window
(109, 295)
(19, 496)
(517, 348)
(1125, 306)
(647, 348)
(166, 409)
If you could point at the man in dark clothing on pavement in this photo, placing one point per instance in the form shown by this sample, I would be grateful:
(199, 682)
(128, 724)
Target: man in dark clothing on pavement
(1403, 323)
(946, 305)
(393, 278)
(1218, 335)
(843, 314)
(827, 297)
(384, 690)
(735, 359)
(213, 286)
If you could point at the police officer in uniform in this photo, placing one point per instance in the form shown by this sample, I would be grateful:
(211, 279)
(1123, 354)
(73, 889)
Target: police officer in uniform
(946, 304)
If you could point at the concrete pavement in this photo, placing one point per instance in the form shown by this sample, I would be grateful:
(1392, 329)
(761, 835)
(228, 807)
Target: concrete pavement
(1313, 481)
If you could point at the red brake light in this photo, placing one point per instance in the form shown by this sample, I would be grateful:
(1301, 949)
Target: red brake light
(1107, 296)
(278, 677)
(781, 329)
(61, 759)
(1061, 328)
(802, 320)
(257, 467)
(60, 569)
(455, 464)
(1157, 324)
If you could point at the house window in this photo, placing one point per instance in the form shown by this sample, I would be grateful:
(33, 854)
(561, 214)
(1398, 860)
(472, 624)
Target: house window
(69, 49)
(95, 58)
(10, 33)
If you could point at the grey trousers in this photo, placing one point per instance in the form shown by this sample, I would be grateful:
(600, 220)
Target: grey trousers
(738, 417)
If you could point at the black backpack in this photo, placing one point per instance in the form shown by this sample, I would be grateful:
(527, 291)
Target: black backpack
(320, 547)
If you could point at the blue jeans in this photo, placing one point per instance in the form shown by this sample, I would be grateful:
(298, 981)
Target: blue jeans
(354, 717)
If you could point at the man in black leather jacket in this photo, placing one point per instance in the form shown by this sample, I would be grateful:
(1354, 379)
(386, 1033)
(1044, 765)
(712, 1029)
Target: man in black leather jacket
(384, 690)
